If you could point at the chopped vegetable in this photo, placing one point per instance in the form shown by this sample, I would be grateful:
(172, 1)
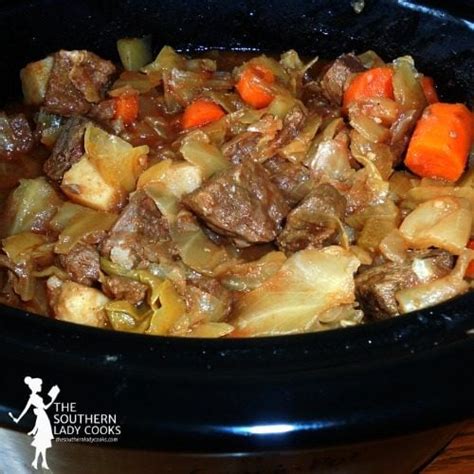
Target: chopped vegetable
(251, 275)
(252, 86)
(309, 283)
(24, 246)
(166, 60)
(134, 52)
(119, 163)
(211, 330)
(407, 88)
(429, 89)
(171, 309)
(441, 142)
(437, 291)
(201, 112)
(30, 207)
(84, 184)
(376, 82)
(167, 181)
(34, 80)
(123, 316)
(470, 268)
(444, 223)
(198, 150)
(77, 303)
(195, 249)
(77, 223)
(126, 107)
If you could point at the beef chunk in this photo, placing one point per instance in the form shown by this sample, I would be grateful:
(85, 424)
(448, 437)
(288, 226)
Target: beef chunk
(241, 203)
(313, 222)
(82, 264)
(202, 292)
(242, 148)
(15, 135)
(292, 125)
(103, 112)
(137, 234)
(68, 149)
(78, 78)
(293, 180)
(335, 78)
(376, 287)
(120, 288)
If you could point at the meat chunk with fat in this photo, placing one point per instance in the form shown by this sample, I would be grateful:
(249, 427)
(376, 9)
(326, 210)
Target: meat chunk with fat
(314, 222)
(376, 287)
(77, 80)
(241, 203)
(121, 288)
(82, 264)
(138, 233)
(68, 149)
(334, 80)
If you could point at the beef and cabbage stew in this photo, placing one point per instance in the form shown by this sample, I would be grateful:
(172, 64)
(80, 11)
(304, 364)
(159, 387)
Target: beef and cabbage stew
(228, 195)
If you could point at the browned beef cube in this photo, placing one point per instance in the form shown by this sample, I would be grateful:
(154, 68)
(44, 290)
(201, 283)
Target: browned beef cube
(78, 79)
(120, 288)
(241, 203)
(82, 264)
(314, 221)
(292, 179)
(137, 234)
(68, 149)
(376, 287)
(16, 136)
(335, 78)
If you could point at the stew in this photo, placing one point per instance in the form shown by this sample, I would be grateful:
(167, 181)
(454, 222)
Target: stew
(229, 195)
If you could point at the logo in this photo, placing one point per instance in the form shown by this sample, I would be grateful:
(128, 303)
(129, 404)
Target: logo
(67, 424)
(42, 432)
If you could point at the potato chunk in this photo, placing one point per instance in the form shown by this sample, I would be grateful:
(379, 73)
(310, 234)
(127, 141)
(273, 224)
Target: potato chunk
(77, 303)
(34, 80)
(84, 185)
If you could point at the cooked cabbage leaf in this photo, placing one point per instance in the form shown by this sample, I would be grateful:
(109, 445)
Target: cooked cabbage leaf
(309, 283)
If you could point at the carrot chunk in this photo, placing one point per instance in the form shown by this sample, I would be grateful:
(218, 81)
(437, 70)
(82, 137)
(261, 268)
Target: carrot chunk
(470, 268)
(126, 107)
(441, 141)
(201, 112)
(376, 82)
(429, 89)
(250, 88)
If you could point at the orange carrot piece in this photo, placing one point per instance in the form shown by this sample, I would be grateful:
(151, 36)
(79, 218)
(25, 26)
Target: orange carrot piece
(429, 89)
(376, 82)
(470, 268)
(249, 88)
(126, 107)
(201, 112)
(441, 142)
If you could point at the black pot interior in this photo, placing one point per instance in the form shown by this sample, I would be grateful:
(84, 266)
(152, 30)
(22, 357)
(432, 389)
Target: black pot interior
(440, 40)
(346, 385)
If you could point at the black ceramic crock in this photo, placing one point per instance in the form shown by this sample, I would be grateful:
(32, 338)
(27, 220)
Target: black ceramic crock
(378, 398)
